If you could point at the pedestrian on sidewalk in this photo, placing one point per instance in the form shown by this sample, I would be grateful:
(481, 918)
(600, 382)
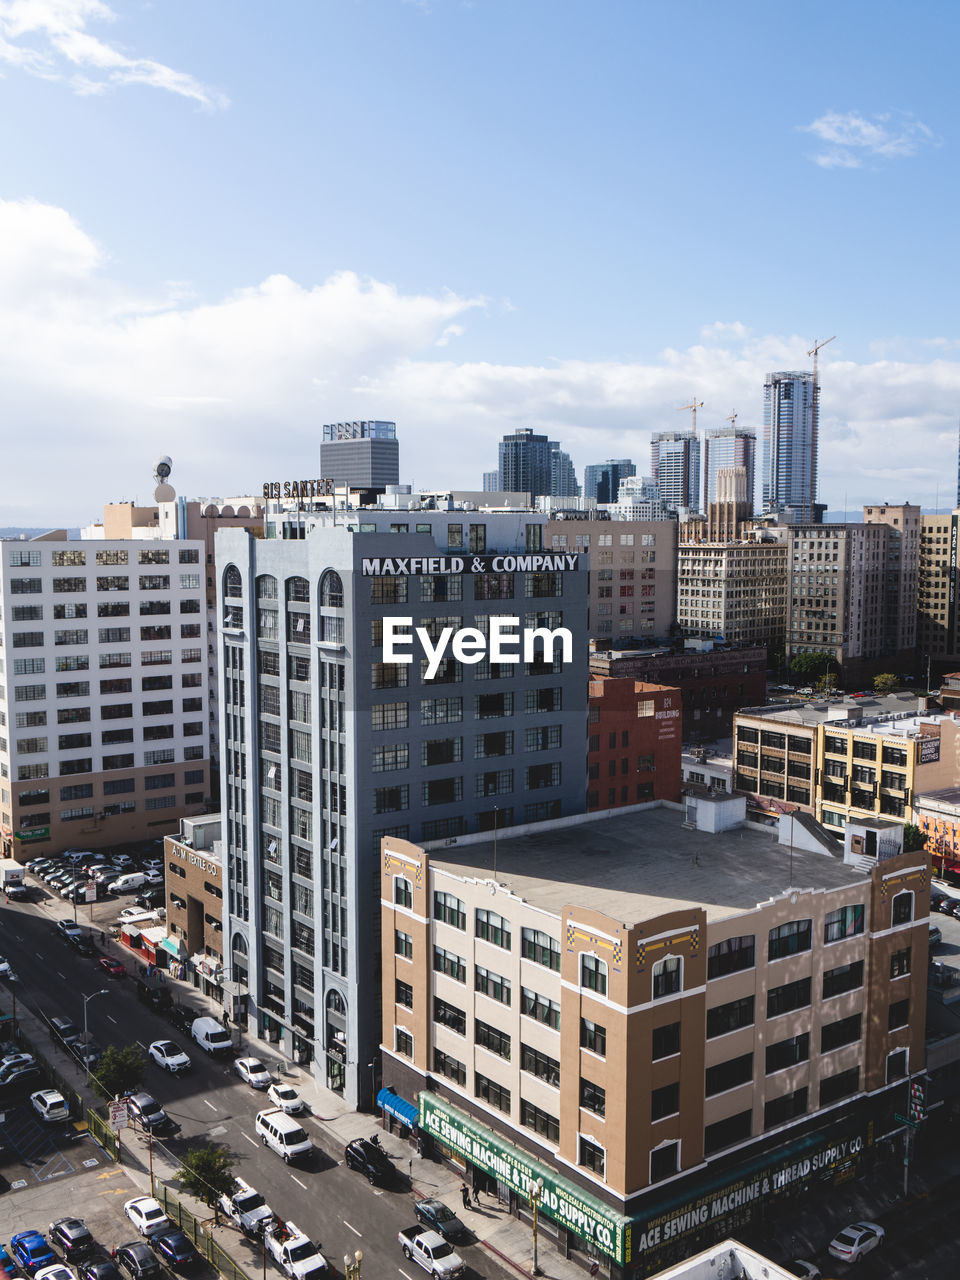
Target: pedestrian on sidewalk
(476, 1194)
(465, 1195)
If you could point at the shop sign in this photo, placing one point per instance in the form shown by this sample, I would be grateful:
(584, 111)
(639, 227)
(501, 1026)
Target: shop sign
(821, 1161)
(929, 750)
(560, 1200)
(415, 566)
(37, 833)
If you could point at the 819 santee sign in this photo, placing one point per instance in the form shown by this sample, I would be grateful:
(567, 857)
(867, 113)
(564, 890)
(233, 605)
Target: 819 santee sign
(415, 566)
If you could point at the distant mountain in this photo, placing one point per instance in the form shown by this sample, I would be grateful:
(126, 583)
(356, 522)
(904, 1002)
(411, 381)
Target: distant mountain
(14, 532)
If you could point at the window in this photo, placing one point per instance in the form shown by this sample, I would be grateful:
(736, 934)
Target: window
(540, 1008)
(724, 1133)
(391, 799)
(785, 1108)
(491, 1038)
(540, 1065)
(389, 715)
(448, 1015)
(898, 1015)
(490, 706)
(845, 922)
(403, 1042)
(664, 1161)
(845, 1031)
(833, 1088)
(441, 751)
(402, 893)
(731, 955)
(896, 1065)
(666, 1040)
(903, 908)
(593, 1097)
(496, 1094)
(787, 1053)
(69, 584)
(591, 1156)
(667, 977)
(593, 1037)
(540, 948)
(491, 984)
(404, 994)
(847, 977)
(792, 995)
(532, 1117)
(790, 939)
(497, 782)
(394, 756)
(403, 944)
(493, 928)
(487, 745)
(448, 908)
(543, 775)
(729, 1074)
(441, 791)
(449, 963)
(385, 590)
(899, 961)
(441, 710)
(665, 1101)
(593, 974)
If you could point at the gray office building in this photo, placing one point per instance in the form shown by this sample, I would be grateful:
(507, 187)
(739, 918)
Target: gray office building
(601, 480)
(326, 748)
(362, 455)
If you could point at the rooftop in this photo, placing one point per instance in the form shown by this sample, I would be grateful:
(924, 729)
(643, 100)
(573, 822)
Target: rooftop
(884, 714)
(636, 866)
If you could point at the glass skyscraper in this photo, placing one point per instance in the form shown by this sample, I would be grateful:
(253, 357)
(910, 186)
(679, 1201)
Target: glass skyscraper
(790, 425)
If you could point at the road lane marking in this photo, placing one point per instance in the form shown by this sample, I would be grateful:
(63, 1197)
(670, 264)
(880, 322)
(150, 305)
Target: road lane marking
(38, 955)
(299, 1183)
(403, 1273)
(62, 977)
(210, 1105)
(113, 1020)
(353, 1229)
(142, 1045)
(249, 1139)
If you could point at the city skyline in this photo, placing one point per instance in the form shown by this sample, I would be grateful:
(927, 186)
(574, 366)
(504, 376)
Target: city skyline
(178, 280)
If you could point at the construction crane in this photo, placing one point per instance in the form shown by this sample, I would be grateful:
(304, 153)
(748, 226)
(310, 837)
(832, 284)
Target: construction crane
(697, 404)
(733, 419)
(815, 421)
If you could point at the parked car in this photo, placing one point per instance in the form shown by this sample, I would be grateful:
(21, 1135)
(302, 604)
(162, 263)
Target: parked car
(286, 1098)
(253, 1072)
(68, 928)
(113, 968)
(147, 1216)
(176, 1250)
(136, 915)
(805, 1270)
(57, 1272)
(50, 1105)
(20, 893)
(87, 1052)
(19, 1072)
(854, 1242)
(435, 1215)
(936, 937)
(66, 1032)
(138, 1261)
(369, 1159)
(31, 1252)
(5, 969)
(170, 1056)
(72, 1237)
(147, 1110)
(98, 1271)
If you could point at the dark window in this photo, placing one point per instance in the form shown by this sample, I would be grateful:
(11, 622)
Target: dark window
(847, 977)
(783, 1109)
(541, 948)
(667, 974)
(839, 1086)
(730, 1017)
(729, 1074)
(532, 1117)
(491, 1038)
(591, 1156)
(491, 1092)
(787, 1053)
(792, 995)
(902, 908)
(492, 927)
(446, 1065)
(898, 1015)
(899, 961)
(450, 909)
(448, 1015)
(450, 964)
(731, 955)
(665, 1101)
(593, 1097)
(404, 994)
(845, 922)
(844, 1031)
(593, 974)
(540, 1065)
(540, 1008)
(724, 1133)
(593, 1037)
(790, 939)
(666, 1040)
(664, 1161)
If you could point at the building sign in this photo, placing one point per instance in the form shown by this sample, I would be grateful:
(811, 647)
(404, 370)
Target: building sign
(929, 750)
(277, 489)
(565, 1203)
(119, 1117)
(799, 1168)
(187, 855)
(414, 566)
(38, 833)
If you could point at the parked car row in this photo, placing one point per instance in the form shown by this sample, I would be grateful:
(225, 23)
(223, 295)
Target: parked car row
(34, 1254)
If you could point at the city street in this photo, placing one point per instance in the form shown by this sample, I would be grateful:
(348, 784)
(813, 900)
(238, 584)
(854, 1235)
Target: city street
(335, 1206)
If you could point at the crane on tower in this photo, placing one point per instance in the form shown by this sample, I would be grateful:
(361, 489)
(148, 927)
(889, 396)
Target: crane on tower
(694, 406)
(815, 420)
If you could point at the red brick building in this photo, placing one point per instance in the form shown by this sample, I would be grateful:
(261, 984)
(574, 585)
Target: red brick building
(635, 743)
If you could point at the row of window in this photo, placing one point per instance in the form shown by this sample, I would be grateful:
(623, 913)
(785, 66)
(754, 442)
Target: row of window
(67, 559)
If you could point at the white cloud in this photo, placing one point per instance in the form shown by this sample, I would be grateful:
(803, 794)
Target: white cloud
(98, 380)
(49, 39)
(852, 138)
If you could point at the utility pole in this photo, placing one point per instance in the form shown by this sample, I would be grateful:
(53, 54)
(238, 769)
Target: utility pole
(815, 420)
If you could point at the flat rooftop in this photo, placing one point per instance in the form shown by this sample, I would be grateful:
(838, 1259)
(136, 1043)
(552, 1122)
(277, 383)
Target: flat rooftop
(868, 714)
(636, 866)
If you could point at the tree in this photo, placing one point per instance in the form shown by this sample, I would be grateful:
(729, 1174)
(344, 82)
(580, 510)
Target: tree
(206, 1174)
(913, 838)
(119, 1071)
(885, 683)
(809, 666)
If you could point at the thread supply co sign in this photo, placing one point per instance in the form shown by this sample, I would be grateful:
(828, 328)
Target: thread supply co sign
(560, 1200)
(416, 566)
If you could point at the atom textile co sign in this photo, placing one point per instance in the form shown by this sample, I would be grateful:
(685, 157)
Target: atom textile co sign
(415, 566)
(560, 1200)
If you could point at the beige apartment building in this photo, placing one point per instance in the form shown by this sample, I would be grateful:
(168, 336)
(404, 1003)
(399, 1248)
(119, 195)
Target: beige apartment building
(937, 589)
(737, 590)
(633, 573)
(633, 1011)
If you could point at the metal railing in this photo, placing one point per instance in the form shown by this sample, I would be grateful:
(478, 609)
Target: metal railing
(193, 1228)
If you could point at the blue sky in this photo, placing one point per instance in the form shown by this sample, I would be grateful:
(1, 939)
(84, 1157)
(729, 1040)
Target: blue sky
(224, 223)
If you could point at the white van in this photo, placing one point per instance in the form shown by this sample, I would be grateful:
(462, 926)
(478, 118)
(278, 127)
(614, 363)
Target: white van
(126, 883)
(283, 1135)
(209, 1035)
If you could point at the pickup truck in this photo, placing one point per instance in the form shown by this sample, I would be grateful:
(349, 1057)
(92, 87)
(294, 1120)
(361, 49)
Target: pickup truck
(247, 1208)
(294, 1253)
(432, 1252)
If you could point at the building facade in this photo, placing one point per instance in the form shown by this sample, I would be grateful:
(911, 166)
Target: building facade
(903, 525)
(361, 455)
(563, 477)
(194, 881)
(526, 463)
(675, 463)
(728, 447)
(104, 694)
(634, 745)
(937, 639)
(633, 579)
(327, 747)
(649, 1051)
(601, 481)
(791, 413)
(734, 590)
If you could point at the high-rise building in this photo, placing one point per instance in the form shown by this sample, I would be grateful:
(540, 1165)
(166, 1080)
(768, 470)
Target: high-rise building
(526, 463)
(104, 700)
(675, 463)
(601, 481)
(361, 455)
(491, 481)
(728, 447)
(734, 589)
(937, 596)
(791, 414)
(903, 565)
(563, 478)
(639, 499)
(327, 746)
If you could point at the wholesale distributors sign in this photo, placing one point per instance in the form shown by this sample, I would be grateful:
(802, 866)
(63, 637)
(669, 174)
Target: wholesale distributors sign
(565, 1203)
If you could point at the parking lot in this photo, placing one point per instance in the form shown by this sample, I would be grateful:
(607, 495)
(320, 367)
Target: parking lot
(32, 1151)
(97, 1195)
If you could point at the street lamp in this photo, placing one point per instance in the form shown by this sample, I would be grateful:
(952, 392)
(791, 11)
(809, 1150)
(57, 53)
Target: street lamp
(104, 991)
(536, 1191)
(351, 1266)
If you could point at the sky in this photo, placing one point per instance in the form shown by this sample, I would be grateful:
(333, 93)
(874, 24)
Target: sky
(224, 223)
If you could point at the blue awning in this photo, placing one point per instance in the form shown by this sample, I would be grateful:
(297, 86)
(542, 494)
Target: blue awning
(406, 1112)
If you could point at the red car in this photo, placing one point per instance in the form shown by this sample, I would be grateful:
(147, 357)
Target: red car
(113, 967)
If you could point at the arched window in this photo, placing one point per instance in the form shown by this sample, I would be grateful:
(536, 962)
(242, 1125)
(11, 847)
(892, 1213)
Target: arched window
(239, 945)
(232, 582)
(903, 908)
(667, 976)
(298, 589)
(593, 974)
(402, 892)
(266, 587)
(331, 590)
(335, 1004)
